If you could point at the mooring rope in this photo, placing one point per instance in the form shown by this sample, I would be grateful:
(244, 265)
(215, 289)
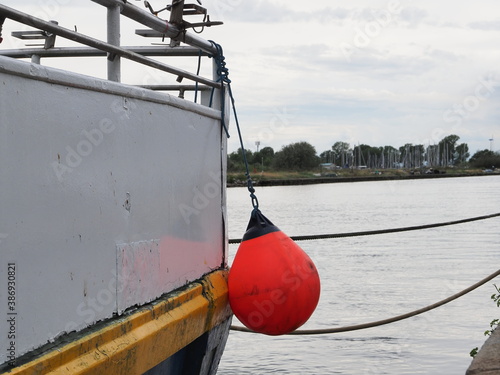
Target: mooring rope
(384, 321)
(382, 231)
(223, 74)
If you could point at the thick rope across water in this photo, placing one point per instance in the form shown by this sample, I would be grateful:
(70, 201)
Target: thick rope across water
(384, 321)
(382, 231)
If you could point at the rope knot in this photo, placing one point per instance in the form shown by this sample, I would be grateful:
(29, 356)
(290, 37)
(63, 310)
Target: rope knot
(220, 60)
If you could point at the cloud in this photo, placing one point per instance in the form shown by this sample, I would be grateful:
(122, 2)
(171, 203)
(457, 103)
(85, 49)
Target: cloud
(413, 16)
(392, 88)
(261, 11)
(485, 25)
(442, 55)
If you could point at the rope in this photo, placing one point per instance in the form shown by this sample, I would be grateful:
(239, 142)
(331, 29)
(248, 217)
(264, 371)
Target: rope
(384, 321)
(382, 231)
(223, 73)
(2, 20)
(197, 73)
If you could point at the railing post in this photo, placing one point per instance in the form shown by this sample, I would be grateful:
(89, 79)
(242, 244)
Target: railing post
(156, 23)
(113, 19)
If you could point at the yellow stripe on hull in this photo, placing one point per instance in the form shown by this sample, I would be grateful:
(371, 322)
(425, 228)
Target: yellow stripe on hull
(135, 343)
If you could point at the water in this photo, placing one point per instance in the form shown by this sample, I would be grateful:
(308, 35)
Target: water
(376, 277)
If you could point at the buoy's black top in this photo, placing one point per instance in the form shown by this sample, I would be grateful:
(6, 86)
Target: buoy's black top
(258, 225)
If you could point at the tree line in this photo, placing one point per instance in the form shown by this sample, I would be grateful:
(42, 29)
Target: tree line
(302, 156)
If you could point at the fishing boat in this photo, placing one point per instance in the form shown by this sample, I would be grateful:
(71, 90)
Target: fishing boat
(113, 228)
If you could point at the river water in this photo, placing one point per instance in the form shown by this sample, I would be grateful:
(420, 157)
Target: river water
(376, 277)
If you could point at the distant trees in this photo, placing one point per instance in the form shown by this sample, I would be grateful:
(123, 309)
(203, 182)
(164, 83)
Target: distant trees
(485, 159)
(296, 156)
(445, 153)
(338, 155)
(412, 156)
(451, 153)
(447, 147)
(365, 155)
(461, 154)
(262, 159)
(235, 160)
(389, 157)
(266, 155)
(340, 152)
(302, 156)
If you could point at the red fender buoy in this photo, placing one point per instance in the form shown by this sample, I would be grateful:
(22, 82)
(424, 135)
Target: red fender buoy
(274, 286)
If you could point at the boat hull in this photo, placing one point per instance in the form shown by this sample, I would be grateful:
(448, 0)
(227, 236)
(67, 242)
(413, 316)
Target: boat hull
(112, 197)
(183, 332)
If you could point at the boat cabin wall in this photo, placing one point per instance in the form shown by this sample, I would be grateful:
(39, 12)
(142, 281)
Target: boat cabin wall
(110, 197)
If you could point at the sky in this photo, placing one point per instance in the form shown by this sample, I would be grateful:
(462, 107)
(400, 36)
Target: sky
(362, 72)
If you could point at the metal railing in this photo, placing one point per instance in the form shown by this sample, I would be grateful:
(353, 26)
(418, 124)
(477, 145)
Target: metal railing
(112, 48)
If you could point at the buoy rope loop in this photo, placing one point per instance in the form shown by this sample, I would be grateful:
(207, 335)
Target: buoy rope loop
(384, 321)
(255, 201)
(383, 231)
(223, 76)
(220, 60)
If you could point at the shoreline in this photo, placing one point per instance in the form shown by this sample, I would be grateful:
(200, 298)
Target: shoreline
(329, 180)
